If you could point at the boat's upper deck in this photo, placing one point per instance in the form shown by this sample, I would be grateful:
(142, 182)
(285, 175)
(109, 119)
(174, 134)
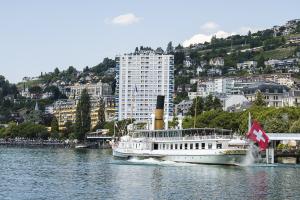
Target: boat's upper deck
(183, 133)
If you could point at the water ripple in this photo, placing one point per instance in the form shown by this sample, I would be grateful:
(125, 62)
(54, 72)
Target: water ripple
(93, 174)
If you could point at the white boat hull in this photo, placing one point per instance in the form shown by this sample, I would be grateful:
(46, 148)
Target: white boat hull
(208, 159)
(217, 159)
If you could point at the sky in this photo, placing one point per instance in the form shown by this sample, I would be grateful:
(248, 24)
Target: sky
(38, 36)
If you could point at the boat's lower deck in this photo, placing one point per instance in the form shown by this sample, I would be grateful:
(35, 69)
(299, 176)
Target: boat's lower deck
(216, 157)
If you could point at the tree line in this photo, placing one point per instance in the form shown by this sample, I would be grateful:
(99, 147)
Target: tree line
(273, 119)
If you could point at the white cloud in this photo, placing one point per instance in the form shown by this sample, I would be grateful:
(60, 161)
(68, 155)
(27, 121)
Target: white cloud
(208, 26)
(126, 19)
(201, 38)
(209, 29)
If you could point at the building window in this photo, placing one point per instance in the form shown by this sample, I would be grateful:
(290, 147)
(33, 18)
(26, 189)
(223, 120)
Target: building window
(209, 145)
(185, 146)
(202, 145)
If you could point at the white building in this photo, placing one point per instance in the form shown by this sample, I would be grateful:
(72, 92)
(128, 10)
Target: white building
(183, 107)
(218, 61)
(246, 65)
(94, 89)
(193, 95)
(218, 85)
(140, 78)
(194, 80)
(235, 102)
(200, 69)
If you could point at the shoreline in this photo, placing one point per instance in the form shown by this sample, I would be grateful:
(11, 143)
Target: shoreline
(34, 143)
(47, 144)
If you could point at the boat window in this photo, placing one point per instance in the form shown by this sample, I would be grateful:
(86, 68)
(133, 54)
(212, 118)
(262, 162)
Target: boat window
(219, 146)
(176, 146)
(155, 146)
(209, 145)
(180, 146)
(197, 145)
(185, 145)
(171, 146)
(191, 146)
(164, 146)
(202, 145)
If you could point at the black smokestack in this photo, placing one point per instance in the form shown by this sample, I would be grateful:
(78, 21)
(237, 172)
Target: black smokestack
(159, 112)
(160, 103)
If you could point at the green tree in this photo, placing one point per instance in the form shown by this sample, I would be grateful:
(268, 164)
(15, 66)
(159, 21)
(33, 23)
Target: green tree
(259, 99)
(56, 93)
(197, 106)
(101, 115)
(54, 125)
(56, 72)
(295, 127)
(173, 123)
(26, 130)
(37, 90)
(170, 48)
(261, 61)
(217, 104)
(276, 125)
(69, 128)
(34, 116)
(83, 118)
(209, 103)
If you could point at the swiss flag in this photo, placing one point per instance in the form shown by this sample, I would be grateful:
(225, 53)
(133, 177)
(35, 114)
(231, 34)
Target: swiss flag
(257, 134)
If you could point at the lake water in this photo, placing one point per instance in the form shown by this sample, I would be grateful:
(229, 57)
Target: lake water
(40, 173)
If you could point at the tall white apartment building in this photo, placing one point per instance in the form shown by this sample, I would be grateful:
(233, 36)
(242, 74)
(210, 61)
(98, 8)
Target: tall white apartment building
(140, 78)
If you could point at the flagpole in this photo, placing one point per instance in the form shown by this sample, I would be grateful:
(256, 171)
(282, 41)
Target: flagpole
(249, 122)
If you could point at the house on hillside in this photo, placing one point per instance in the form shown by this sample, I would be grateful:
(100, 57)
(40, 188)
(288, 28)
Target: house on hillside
(246, 65)
(282, 65)
(214, 72)
(274, 94)
(231, 71)
(233, 103)
(217, 62)
(187, 62)
(194, 80)
(200, 69)
(183, 107)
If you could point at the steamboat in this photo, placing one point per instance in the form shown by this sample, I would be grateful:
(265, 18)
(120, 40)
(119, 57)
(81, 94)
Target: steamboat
(195, 145)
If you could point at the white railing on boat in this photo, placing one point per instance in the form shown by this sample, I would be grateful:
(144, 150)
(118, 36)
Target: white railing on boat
(207, 137)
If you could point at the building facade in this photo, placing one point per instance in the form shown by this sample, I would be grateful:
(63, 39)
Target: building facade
(218, 85)
(140, 78)
(274, 94)
(94, 89)
(65, 111)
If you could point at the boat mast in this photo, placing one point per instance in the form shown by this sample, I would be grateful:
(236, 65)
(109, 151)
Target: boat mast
(195, 114)
(249, 121)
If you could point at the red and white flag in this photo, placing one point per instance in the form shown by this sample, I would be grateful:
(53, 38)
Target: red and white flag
(257, 134)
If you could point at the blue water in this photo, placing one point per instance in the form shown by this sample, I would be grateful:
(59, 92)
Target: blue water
(36, 173)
